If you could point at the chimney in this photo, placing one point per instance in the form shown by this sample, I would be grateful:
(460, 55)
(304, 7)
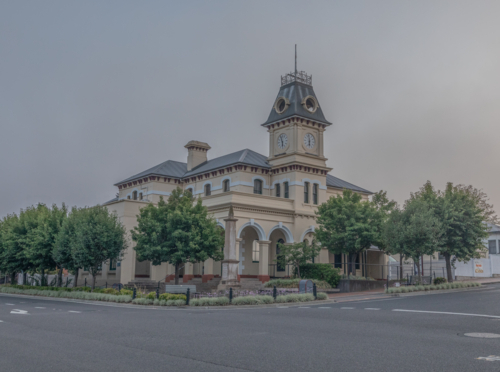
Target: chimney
(197, 153)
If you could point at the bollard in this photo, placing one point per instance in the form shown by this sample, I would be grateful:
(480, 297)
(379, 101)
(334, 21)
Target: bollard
(274, 293)
(230, 295)
(134, 293)
(188, 294)
(315, 292)
(157, 293)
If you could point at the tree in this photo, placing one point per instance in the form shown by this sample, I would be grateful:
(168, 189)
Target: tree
(413, 231)
(177, 231)
(62, 252)
(297, 254)
(42, 227)
(347, 224)
(463, 212)
(98, 237)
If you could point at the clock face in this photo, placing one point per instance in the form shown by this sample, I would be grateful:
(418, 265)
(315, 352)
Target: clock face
(282, 141)
(309, 141)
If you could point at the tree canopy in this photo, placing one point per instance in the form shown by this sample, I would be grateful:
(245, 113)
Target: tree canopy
(297, 254)
(177, 231)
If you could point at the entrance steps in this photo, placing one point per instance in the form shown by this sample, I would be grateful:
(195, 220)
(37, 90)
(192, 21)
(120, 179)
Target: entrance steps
(251, 284)
(201, 287)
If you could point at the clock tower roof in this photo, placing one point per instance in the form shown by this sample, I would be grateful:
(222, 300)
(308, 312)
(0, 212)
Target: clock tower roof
(296, 97)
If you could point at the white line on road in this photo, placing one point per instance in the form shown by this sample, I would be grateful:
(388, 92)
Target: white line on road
(372, 308)
(10, 304)
(447, 313)
(347, 308)
(324, 307)
(304, 307)
(36, 307)
(72, 311)
(20, 312)
(1, 321)
(282, 307)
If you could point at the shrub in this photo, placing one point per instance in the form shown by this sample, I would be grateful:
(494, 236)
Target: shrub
(245, 300)
(110, 291)
(210, 301)
(163, 303)
(156, 302)
(142, 301)
(171, 296)
(151, 295)
(265, 299)
(294, 283)
(322, 296)
(320, 271)
(127, 292)
(439, 280)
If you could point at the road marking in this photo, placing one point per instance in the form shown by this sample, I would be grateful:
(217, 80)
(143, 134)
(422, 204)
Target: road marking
(304, 307)
(371, 308)
(20, 312)
(72, 311)
(282, 307)
(10, 304)
(491, 358)
(447, 313)
(40, 307)
(324, 307)
(347, 308)
(1, 321)
(482, 335)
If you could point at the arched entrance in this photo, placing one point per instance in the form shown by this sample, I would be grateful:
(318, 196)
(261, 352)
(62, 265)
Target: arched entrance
(249, 252)
(277, 270)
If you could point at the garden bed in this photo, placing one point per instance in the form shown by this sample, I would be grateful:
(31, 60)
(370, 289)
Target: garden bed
(165, 299)
(419, 288)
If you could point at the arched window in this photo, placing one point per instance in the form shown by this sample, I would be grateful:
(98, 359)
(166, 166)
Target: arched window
(255, 251)
(280, 265)
(140, 196)
(278, 190)
(307, 242)
(208, 190)
(257, 187)
(134, 195)
(306, 192)
(226, 187)
(128, 197)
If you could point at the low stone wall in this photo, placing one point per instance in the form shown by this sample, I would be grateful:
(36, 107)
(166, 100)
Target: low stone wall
(360, 285)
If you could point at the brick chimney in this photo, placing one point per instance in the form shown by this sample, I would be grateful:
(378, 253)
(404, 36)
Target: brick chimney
(197, 153)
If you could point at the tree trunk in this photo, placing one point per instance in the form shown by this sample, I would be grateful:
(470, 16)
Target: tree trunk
(400, 266)
(59, 278)
(25, 275)
(12, 278)
(447, 257)
(176, 274)
(298, 270)
(75, 283)
(419, 271)
(93, 281)
(42, 279)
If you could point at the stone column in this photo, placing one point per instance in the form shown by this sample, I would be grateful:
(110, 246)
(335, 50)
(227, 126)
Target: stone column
(170, 272)
(159, 272)
(264, 261)
(231, 261)
(208, 270)
(188, 272)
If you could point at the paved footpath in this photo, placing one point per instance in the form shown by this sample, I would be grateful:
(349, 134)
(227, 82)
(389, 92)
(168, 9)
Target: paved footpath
(407, 333)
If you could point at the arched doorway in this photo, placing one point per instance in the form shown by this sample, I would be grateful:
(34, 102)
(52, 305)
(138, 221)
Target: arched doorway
(277, 269)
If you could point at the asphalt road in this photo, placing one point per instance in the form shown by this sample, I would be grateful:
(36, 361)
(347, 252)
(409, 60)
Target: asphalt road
(51, 335)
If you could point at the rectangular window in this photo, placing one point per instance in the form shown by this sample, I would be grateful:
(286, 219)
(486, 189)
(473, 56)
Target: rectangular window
(285, 185)
(255, 251)
(315, 193)
(492, 246)
(357, 261)
(257, 187)
(338, 261)
(112, 265)
(226, 186)
(306, 192)
(278, 190)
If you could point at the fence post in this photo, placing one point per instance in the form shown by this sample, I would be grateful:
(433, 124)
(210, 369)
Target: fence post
(134, 293)
(274, 293)
(188, 295)
(230, 295)
(315, 293)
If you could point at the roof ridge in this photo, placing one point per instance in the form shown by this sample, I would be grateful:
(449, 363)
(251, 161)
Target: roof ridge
(245, 152)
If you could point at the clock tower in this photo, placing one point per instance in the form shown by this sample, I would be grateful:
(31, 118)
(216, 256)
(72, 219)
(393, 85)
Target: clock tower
(296, 124)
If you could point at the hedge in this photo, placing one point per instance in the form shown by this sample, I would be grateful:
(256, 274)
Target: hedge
(320, 271)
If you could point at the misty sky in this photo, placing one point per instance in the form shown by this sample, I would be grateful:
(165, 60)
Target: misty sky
(92, 92)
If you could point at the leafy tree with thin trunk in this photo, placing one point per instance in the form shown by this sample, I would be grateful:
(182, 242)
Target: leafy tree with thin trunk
(297, 254)
(350, 225)
(177, 231)
(62, 252)
(413, 231)
(42, 225)
(463, 212)
(99, 236)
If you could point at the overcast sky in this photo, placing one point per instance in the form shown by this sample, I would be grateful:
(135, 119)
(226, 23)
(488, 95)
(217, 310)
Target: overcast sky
(92, 92)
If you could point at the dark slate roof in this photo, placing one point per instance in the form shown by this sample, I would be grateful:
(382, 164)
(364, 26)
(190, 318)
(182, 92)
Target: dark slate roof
(246, 156)
(110, 201)
(340, 184)
(170, 168)
(296, 92)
